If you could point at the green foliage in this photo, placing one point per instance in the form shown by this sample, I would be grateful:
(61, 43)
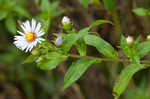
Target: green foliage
(143, 48)
(49, 9)
(110, 5)
(140, 91)
(81, 47)
(71, 39)
(125, 77)
(84, 3)
(31, 58)
(51, 60)
(102, 46)
(99, 22)
(76, 70)
(130, 50)
(11, 24)
(141, 11)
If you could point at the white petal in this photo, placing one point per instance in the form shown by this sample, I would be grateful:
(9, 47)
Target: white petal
(20, 33)
(41, 33)
(27, 26)
(38, 27)
(23, 28)
(33, 25)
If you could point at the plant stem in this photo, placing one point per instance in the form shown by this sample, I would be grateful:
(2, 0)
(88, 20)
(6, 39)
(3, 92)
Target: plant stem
(106, 59)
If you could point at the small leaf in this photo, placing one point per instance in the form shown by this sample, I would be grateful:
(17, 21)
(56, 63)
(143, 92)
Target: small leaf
(141, 11)
(3, 14)
(81, 47)
(71, 39)
(143, 48)
(11, 24)
(45, 5)
(99, 22)
(51, 60)
(30, 59)
(102, 46)
(125, 77)
(21, 11)
(84, 3)
(76, 70)
(96, 2)
(110, 5)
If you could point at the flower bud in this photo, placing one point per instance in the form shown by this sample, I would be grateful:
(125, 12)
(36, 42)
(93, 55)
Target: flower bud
(129, 40)
(65, 20)
(148, 37)
(34, 52)
(58, 40)
(39, 59)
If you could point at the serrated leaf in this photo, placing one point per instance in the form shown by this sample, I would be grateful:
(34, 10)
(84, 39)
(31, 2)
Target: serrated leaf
(143, 48)
(99, 22)
(51, 60)
(102, 46)
(81, 47)
(110, 5)
(125, 77)
(11, 25)
(76, 70)
(71, 39)
(141, 11)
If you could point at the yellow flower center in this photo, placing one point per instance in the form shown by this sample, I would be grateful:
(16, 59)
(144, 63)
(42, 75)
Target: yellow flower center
(30, 36)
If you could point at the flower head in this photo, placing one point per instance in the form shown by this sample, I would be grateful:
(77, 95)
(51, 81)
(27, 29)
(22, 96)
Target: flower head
(129, 39)
(65, 20)
(30, 36)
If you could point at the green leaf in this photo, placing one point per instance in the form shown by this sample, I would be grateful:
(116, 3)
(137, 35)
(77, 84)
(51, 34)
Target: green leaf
(21, 11)
(110, 5)
(45, 5)
(30, 59)
(81, 47)
(76, 70)
(84, 3)
(102, 46)
(141, 11)
(96, 2)
(143, 48)
(51, 60)
(71, 39)
(99, 22)
(3, 14)
(125, 77)
(11, 25)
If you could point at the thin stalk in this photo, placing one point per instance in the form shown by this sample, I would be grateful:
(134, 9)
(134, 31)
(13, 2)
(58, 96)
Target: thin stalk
(106, 59)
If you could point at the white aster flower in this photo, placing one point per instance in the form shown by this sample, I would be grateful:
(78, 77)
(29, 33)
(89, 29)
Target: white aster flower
(30, 36)
(65, 20)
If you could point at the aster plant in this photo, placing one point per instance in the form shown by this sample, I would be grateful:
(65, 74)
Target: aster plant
(49, 55)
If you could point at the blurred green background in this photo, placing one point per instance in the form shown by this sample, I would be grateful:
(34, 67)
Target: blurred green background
(26, 81)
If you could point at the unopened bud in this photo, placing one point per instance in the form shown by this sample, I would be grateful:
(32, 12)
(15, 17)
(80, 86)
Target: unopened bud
(129, 40)
(148, 37)
(58, 40)
(39, 59)
(34, 52)
(65, 20)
